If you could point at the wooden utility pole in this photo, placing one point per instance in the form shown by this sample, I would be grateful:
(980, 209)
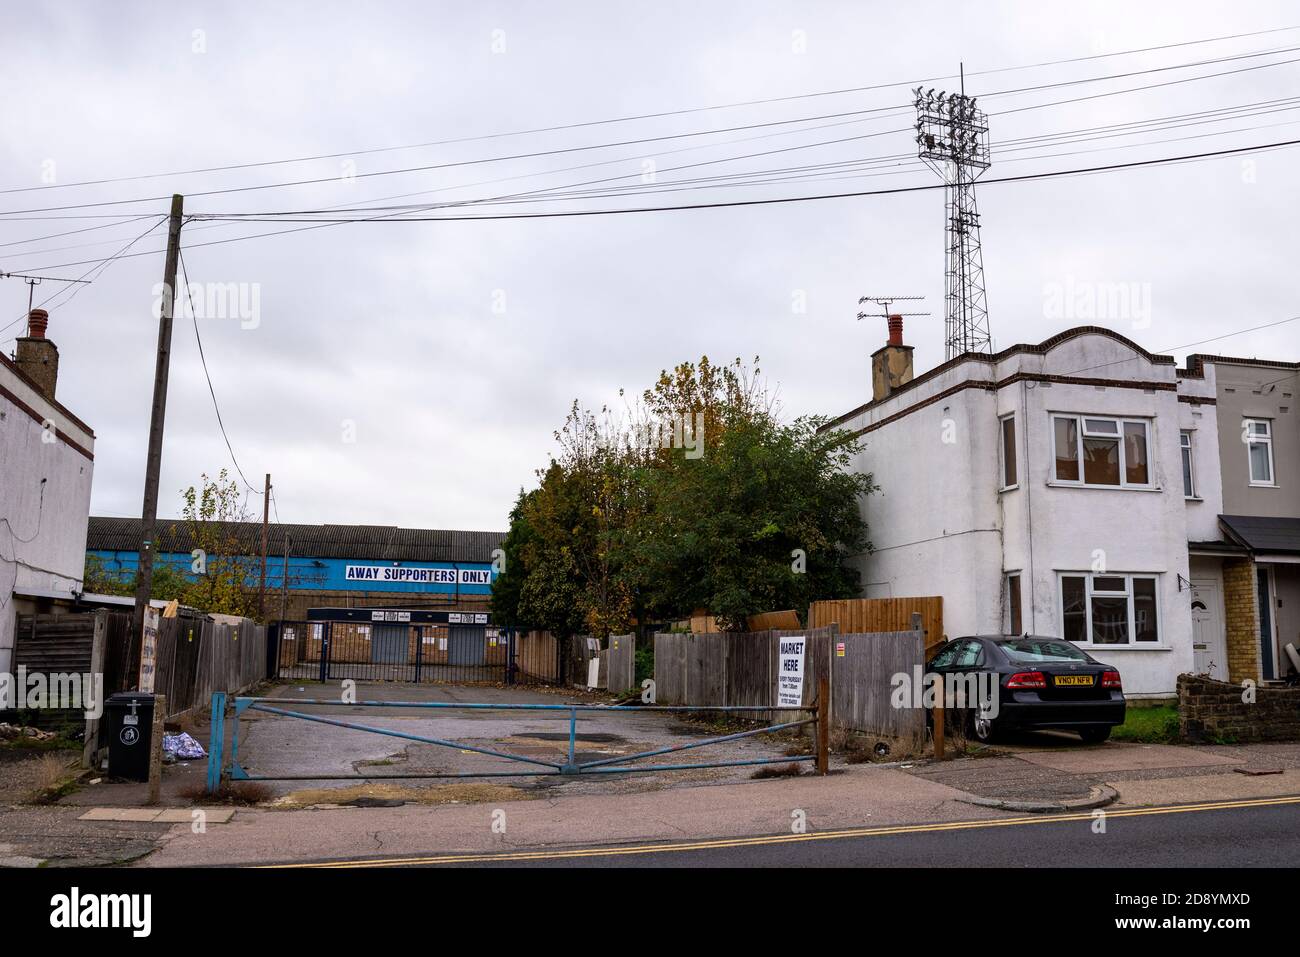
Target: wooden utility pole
(153, 464)
(284, 580)
(266, 511)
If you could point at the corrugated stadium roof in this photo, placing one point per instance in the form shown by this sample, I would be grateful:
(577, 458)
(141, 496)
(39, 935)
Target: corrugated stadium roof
(380, 542)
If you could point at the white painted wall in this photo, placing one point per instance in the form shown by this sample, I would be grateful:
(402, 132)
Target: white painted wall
(42, 525)
(940, 524)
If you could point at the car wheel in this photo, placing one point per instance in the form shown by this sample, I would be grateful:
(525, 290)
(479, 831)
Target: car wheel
(1094, 735)
(981, 729)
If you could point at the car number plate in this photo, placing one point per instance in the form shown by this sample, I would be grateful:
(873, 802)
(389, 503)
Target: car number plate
(1073, 680)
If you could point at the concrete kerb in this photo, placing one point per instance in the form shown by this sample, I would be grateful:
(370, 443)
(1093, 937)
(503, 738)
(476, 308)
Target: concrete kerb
(1098, 796)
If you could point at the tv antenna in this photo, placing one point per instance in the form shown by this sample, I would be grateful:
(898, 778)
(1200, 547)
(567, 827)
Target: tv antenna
(885, 303)
(952, 137)
(34, 281)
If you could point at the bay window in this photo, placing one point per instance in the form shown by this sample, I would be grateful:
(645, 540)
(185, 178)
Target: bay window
(1109, 609)
(1093, 450)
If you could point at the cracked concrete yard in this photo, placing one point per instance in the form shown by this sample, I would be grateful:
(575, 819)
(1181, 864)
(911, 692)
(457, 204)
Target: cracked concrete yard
(382, 766)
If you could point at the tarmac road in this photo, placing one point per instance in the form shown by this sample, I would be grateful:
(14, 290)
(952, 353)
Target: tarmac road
(1254, 833)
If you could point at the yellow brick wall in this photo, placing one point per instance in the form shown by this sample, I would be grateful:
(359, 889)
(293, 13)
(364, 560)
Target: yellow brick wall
(1240, 608)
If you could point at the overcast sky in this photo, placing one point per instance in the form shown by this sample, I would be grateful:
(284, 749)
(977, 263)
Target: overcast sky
(413, 373)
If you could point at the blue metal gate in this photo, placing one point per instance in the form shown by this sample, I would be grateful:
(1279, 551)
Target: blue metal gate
(219, 767)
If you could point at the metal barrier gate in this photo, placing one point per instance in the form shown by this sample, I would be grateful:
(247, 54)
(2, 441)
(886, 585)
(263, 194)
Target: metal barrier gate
(394, 644)
(218, 768)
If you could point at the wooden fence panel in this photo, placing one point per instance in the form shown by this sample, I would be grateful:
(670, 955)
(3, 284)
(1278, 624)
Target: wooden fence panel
(875, 615)
(537, 656)
(862, 683)
(621, 663)
(750, 675)
(670, 655)
(705, 678)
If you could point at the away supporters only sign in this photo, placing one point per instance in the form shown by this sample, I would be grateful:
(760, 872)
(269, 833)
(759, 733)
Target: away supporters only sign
(789, 677)
(419, 576)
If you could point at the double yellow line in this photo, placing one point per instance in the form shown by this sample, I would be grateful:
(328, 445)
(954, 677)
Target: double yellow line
(618, 851)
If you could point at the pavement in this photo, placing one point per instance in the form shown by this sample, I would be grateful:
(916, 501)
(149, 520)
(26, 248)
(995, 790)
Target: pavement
(319, 820)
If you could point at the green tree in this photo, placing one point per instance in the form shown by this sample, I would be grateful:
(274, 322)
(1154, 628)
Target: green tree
(699, 497)
(225, 576)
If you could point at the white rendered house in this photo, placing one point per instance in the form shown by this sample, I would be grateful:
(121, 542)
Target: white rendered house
(1042, 490)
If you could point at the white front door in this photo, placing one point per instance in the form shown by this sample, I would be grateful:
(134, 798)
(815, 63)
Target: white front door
(1209, 650)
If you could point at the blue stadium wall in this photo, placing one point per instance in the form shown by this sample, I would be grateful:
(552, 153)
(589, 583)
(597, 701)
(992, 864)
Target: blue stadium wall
(450, 580)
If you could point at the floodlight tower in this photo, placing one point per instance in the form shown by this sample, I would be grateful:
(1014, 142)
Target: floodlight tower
(952, 137)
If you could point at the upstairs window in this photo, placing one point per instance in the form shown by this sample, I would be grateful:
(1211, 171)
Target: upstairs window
(1185, 444)
(1102, 451)
(1009, 451)
(1258, 436)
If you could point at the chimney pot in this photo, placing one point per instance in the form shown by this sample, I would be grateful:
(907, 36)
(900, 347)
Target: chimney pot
(895, 330)
(37, 321)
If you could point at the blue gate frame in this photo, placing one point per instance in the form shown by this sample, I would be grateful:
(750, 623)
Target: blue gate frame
(218, 768)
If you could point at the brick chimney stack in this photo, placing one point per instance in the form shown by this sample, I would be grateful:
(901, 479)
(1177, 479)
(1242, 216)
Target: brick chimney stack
(37, 356)
(891, 364)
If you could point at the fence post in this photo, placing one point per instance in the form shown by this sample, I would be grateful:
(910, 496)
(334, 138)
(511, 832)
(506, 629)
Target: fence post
(572, 765)
(216, 741)
(938, 729)
(823, 726)
(156, 748)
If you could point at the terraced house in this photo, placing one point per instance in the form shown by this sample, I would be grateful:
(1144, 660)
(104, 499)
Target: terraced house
(1075, 487)
(1246, 602)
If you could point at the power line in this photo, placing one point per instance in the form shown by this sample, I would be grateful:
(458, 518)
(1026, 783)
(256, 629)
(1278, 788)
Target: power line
(211, 391)
(886, 111)
(822, 171)
(656, 115)
(1049, 174)
(395, 217)
(100, 267)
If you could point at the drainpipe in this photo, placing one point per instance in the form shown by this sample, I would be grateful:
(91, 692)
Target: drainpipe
(1029, 508)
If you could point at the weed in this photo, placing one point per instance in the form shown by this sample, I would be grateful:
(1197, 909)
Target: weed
(791, 770)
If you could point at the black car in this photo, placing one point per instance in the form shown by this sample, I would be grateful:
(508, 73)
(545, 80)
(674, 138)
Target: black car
(1042, 683)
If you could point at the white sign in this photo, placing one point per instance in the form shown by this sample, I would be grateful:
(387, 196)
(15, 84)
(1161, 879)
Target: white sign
(467, 618)
(390, 616)
(149, 649)
(419, 576)
(789, 679)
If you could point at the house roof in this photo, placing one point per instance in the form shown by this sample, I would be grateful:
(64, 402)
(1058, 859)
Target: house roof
(1023, 348)
(1262, 534)
(1197, 361)
(13, 367)
(380, 542)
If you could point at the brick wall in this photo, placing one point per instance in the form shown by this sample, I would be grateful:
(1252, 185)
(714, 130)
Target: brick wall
(1240, 600)
(1210, 711)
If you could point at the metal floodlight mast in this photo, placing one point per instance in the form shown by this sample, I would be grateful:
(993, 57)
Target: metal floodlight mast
(952, 138)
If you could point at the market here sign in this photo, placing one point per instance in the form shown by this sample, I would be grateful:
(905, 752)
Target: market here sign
(419, 576)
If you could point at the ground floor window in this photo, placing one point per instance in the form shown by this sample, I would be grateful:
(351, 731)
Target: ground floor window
(1109, 609)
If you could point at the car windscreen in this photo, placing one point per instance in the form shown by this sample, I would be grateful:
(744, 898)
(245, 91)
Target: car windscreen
(1031, 650)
